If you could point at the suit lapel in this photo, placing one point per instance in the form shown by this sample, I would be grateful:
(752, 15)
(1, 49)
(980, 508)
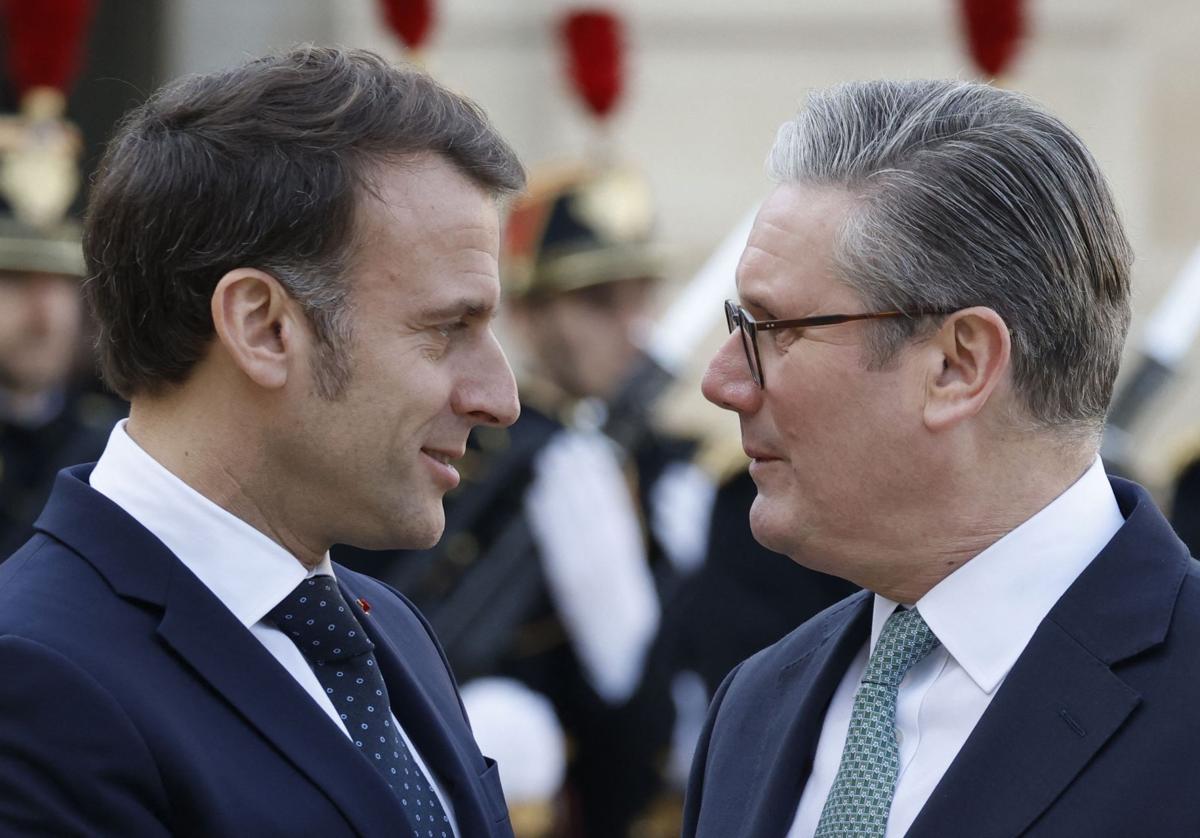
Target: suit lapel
(804, 689)
(1065, 698)
(427, 727)
(220, 650)
(237, 666)
(1055, 710)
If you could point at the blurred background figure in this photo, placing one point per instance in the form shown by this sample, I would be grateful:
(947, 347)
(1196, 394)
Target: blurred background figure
(51, 414)
(597, 559)
(1185, 499)
(519, 729)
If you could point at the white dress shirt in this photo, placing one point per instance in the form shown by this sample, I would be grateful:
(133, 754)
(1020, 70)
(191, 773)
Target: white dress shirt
(248, 572)
(984, 614)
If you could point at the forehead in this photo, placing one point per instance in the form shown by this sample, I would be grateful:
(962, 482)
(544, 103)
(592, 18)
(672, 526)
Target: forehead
(426, 228)
(13, 277)
(789, 257)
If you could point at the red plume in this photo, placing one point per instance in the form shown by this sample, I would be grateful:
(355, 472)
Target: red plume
(45, 41)
(994, 30)
(594, 54)
(411, 20)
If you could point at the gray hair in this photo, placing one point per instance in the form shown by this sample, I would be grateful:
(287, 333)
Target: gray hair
(968, 195)
(329, 307)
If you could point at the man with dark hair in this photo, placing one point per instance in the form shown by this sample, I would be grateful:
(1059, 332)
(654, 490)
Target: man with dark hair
(931, 311)
(293, 264)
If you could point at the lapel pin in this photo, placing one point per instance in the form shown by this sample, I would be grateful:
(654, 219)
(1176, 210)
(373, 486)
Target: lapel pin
(364, 605)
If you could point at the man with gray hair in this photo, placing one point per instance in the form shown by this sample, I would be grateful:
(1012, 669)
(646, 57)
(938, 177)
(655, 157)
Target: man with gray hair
(931, 311)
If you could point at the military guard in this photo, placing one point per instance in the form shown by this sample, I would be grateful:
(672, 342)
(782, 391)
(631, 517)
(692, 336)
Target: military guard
(52, 413)
(1185, 499)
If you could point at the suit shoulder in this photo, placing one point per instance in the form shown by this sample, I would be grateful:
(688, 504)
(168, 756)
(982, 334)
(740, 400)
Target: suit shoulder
(45, 583)
(397, 609)
(57, 708)
(801, 641)
(382, 595)
(395, 604)
(1192, 577)
(1186, 619)
(385, 593)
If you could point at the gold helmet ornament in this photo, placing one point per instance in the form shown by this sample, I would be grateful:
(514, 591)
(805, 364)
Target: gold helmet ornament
(39, 178)
(580, 226)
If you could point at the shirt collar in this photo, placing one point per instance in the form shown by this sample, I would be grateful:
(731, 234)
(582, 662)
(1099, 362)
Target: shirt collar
(244, 568)
(986, 612)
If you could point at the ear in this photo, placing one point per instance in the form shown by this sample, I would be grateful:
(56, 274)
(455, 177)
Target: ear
(969, 357)
(256, 324)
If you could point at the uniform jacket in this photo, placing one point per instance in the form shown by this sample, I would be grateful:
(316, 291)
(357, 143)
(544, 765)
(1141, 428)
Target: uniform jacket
(132, 702)
(31, 457)
(1093, 732)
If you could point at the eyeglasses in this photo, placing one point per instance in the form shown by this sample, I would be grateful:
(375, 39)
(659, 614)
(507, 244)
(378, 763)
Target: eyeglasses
(738, 318)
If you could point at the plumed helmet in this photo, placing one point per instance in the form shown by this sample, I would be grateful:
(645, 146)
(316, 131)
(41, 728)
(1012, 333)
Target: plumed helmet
(39, 178)
(578, 226)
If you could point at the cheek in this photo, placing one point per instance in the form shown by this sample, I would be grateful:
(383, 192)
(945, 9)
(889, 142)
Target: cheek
(829, 440)
(69, 314)
(14, 314)
(594, 333)
(802, 419)
(423, 393)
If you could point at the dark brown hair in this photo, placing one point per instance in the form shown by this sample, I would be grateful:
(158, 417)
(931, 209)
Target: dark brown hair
(261, 166)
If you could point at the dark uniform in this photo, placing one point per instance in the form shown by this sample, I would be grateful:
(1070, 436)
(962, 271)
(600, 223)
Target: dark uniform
(71, 419)
(1185, 505)
(31, 455)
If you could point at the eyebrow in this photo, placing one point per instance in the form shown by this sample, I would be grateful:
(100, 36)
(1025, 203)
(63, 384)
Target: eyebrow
(470, 308)
(755, 303)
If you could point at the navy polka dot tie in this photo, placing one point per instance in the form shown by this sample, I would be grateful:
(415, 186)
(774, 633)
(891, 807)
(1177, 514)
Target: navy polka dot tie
(323, 626)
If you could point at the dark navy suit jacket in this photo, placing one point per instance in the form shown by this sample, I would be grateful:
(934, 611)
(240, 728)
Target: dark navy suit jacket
(1093, 732)
(133, 703)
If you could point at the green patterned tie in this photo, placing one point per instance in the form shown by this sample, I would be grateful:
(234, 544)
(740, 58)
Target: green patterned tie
(861, 797)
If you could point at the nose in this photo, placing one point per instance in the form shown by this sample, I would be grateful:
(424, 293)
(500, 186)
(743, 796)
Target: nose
(51, 303)
(727, 382)
(488, 394)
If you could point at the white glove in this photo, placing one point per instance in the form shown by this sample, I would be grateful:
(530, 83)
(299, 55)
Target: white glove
(691, 699)
(681, 504)
(518, 728)
(583, 519)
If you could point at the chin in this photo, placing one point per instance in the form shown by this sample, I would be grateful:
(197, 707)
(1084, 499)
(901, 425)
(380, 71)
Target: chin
(769, 525)
(402, 531)
(424, 540)
(420, 532)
